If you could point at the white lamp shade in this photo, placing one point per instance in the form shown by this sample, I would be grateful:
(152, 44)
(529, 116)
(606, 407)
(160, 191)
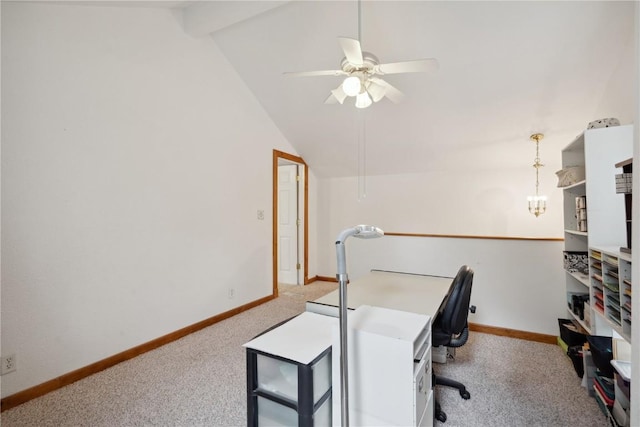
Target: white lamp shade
(537, 199)
(339, 94)
(376, 91)
(363, 100)
(351, 86)
(537, 205)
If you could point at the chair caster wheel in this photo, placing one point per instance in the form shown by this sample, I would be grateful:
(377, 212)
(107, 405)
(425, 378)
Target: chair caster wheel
(441, 416)
(465, 395)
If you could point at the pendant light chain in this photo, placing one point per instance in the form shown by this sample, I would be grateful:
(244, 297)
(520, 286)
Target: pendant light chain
(537, 165)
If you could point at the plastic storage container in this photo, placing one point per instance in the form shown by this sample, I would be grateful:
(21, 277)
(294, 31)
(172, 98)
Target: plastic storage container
(570, 336)
(602, 354)
(575, 354)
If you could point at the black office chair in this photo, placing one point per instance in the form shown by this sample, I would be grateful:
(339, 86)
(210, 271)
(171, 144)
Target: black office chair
(450, 327)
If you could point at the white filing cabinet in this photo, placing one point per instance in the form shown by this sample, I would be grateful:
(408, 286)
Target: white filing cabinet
(390, 373)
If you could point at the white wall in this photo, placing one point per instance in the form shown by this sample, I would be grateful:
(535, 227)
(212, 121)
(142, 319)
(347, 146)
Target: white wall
(618, 100)
(518, 284)
(450, 201)
(133, 163)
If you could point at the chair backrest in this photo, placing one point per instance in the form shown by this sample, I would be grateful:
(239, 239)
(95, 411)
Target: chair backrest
(454, 311)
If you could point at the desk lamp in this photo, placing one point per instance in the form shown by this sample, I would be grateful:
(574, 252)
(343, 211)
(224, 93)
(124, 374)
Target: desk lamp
(361, 232)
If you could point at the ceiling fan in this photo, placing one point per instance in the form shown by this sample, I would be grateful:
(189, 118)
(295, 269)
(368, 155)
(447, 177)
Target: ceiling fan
(362, 69)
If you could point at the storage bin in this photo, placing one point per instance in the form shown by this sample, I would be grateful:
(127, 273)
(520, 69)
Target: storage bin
(606, 388)
(575, 354)
(602, 354)
(589, 372)
(620, 414)
(623, 389)
(277, 376)
(576, 261)
(570, 336)
(273, 414)
(289, 373)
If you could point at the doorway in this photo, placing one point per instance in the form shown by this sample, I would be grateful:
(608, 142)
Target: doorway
(290, 220)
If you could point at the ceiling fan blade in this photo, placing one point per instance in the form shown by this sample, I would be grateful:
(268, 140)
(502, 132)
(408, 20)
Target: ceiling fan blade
(415, 66)
(390, 91)
(315, 73)
(337, 95)
(352, 50)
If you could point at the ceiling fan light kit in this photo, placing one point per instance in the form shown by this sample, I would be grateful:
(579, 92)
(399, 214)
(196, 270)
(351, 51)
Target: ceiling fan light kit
(351, 86)
(363, 100)
(361, 69)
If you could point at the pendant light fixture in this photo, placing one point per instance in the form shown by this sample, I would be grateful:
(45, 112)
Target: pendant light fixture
(537, 203)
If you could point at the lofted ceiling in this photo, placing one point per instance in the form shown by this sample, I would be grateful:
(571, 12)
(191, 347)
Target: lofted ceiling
(507, 69)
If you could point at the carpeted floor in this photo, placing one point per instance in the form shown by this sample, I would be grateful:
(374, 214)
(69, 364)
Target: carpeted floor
(200, 381)
(515, 383)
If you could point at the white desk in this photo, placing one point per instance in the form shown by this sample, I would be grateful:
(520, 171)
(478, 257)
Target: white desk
(389, 364)
(399, 291)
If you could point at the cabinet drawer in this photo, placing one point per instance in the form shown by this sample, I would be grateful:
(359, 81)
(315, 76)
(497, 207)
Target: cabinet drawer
(424, 362)
(421, 387)
(278, 377)
(427, 416)
(271, 413)
(422, 342)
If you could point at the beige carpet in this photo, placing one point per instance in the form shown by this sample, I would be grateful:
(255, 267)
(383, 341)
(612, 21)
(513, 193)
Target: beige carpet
(200, 381)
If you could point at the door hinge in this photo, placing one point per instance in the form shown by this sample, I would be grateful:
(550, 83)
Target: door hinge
(297, 177)
(298, 266)
(298, 221)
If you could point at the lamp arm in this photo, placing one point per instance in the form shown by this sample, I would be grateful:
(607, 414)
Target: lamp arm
(363, 232)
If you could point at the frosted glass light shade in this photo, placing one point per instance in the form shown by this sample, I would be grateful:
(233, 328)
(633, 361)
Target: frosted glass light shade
(363, 100)
(351, 86)
(537, 204)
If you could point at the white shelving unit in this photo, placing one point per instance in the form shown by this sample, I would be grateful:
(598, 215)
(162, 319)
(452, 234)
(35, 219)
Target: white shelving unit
(598, 151)
(611, 290)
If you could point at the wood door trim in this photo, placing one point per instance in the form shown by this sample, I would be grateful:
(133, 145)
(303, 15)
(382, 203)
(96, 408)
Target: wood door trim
(292, 158)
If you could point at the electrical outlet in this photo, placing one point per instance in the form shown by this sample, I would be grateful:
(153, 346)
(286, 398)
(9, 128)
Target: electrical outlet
(8, 363)
(231, 293)
(260, 214)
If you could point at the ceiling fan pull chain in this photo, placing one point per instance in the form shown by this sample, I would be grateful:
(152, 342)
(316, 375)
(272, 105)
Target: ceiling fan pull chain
(362, 155)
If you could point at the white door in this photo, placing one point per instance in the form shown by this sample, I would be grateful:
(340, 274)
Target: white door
(288, 224)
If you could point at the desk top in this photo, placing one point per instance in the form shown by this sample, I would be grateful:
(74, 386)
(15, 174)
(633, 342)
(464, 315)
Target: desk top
(399, 291)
